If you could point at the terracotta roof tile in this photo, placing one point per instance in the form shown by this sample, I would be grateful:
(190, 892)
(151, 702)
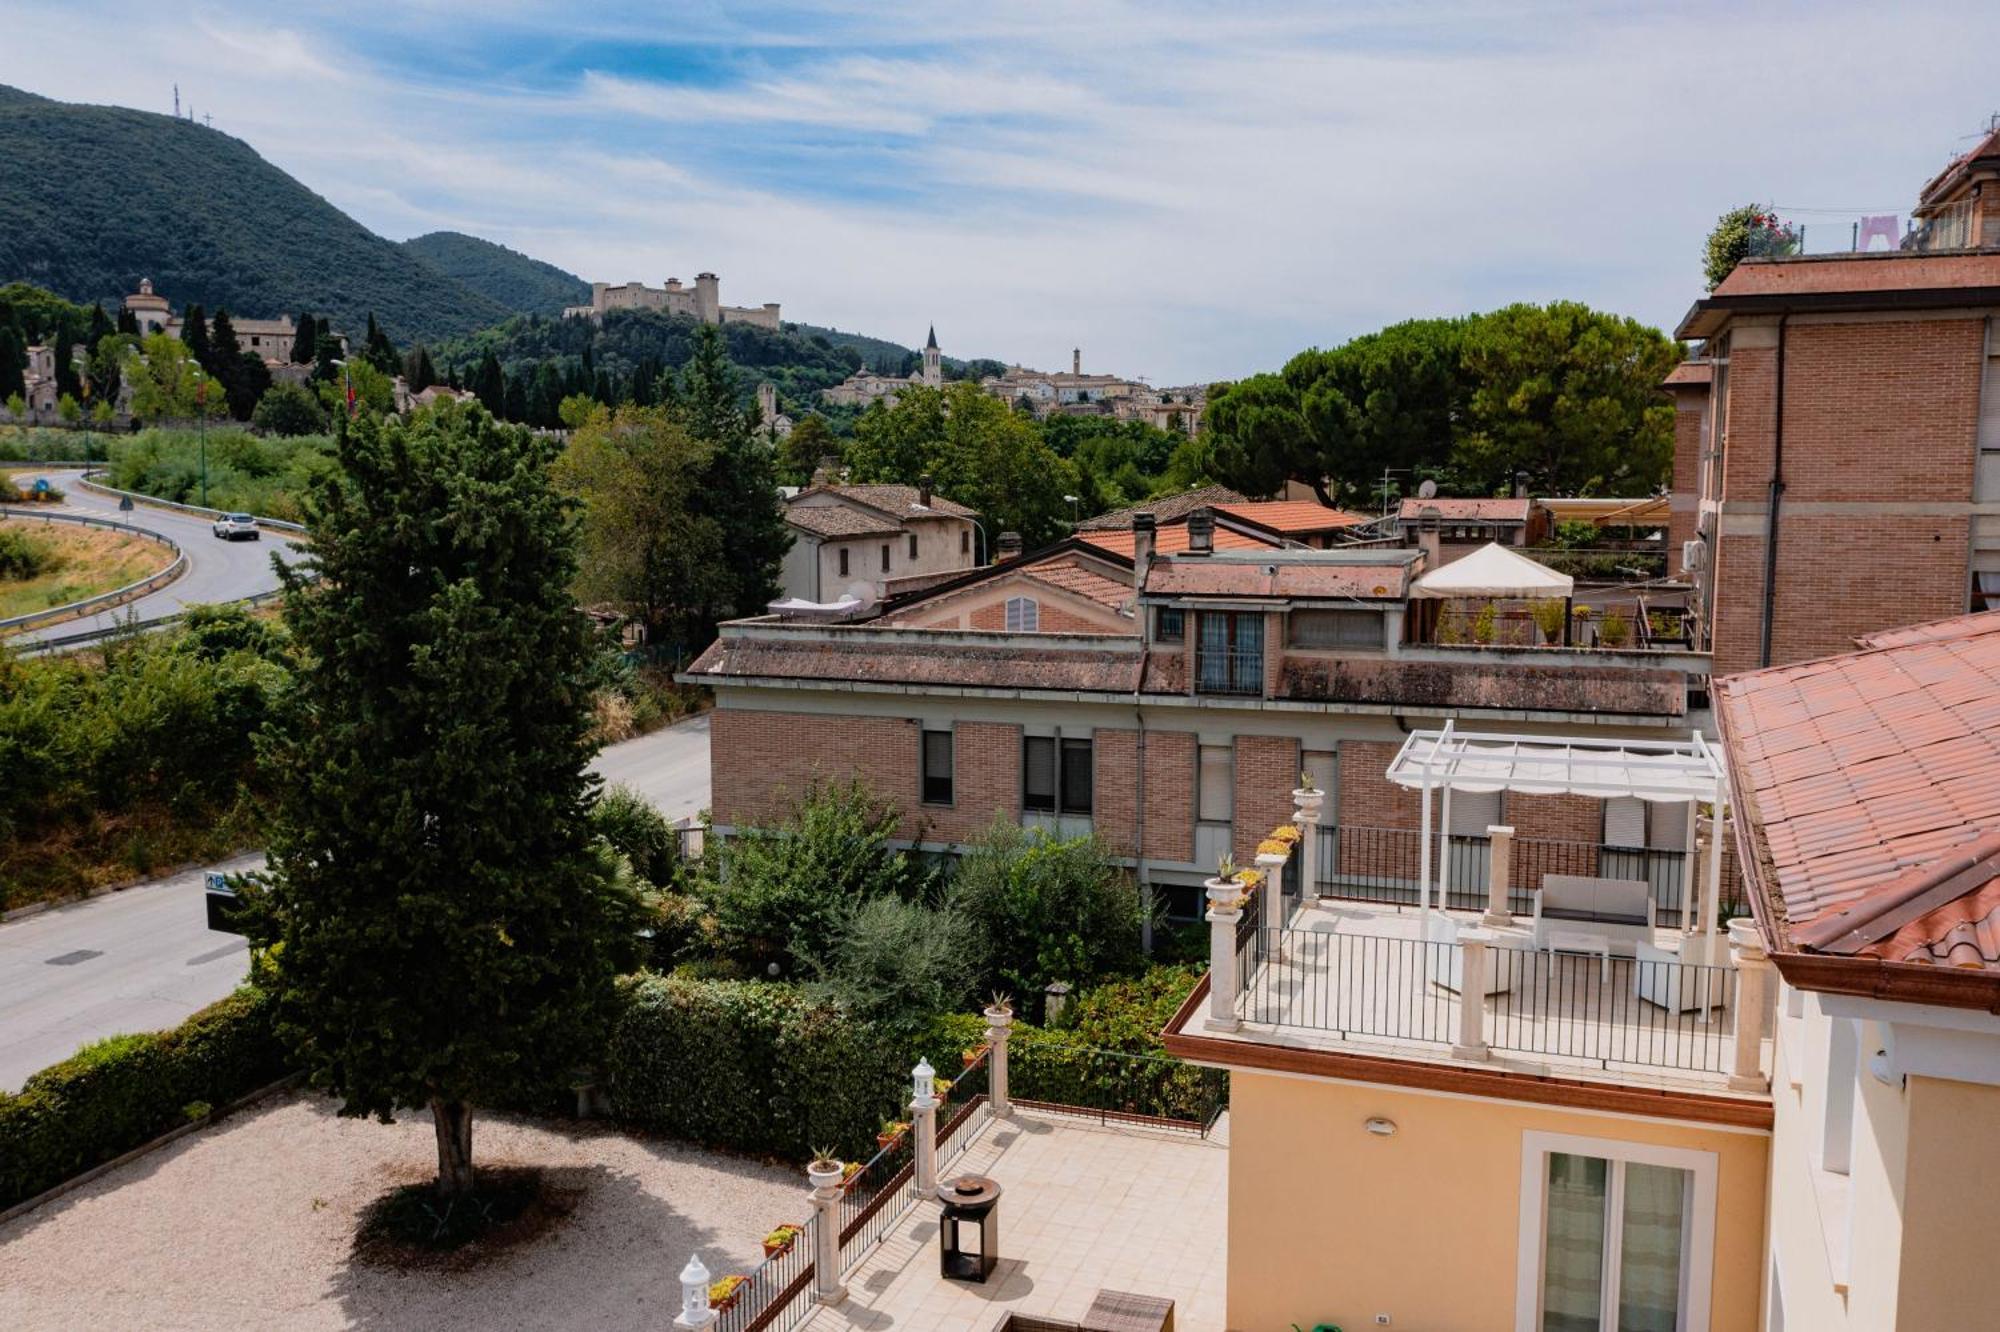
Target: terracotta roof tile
(901, 501)
(1689, 374)
(1861, 774)
(1171, 540)
(1881, 271)
(1466, 510)
(1073, 575)
(1166, 509)
(958, 659)
(837, 520)
(1293, 516)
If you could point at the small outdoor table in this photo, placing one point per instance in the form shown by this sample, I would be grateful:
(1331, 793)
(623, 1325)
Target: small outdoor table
(969, 1201)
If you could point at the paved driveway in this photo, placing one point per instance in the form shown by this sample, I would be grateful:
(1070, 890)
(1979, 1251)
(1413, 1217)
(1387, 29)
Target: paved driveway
(144, 958)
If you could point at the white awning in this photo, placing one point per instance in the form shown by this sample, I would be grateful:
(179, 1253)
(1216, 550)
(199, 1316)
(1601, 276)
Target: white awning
(1662, 770)
(1493, 571)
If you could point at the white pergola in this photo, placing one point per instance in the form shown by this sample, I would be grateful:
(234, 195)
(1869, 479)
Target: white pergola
(1666, 771)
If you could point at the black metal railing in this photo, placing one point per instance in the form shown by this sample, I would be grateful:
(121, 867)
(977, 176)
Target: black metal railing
(778, 1292)
(1249, 935)
(1612, 1012)
(1116, 1086)
(1385, 864)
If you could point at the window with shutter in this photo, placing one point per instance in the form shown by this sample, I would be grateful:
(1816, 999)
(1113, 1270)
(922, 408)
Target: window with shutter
(1024, 615)
(1473, 812)
(1625, 821)
(1038, 773)
(913, 545)
(843, 561)
(937, 760)
(1078, 784)
(1336, 629)
(885, 557)
(1217, 796)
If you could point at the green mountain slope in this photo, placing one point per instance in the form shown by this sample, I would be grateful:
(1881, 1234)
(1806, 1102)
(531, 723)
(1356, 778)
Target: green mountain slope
(523, 285)
(93, 198)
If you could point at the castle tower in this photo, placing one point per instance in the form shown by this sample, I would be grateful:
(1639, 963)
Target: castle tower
(1076, 360)
(707, 298)
(933, 361)
(767, 403)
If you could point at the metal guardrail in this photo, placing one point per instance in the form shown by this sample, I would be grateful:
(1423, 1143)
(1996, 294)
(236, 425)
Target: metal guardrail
(103, 600)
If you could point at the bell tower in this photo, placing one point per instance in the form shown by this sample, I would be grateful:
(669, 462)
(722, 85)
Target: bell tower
(933, 360)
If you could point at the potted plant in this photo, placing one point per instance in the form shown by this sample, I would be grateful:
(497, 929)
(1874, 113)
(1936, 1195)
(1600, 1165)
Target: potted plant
(851, 1172)
(967, 1058)
(1615, 630)
(1582, 616)
(1485, 624)
(941, 1088)
(1225, 892)
(723, 1294)
(1548, 616)
(1307, 795)
(892, 1129)
(781, 1238)
(1000, 1008)
(824, 1171)
(1288, 833)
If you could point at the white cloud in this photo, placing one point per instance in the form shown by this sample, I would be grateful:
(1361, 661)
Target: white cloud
(1182, 190)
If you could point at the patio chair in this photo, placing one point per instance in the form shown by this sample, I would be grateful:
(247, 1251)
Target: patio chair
(1590, 903)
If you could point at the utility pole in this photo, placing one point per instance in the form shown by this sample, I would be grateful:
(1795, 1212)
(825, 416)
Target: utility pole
(177, 101)
(1386, 472)
(201, 400)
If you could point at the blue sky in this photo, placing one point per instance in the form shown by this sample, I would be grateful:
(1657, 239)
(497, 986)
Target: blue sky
(1186, 191)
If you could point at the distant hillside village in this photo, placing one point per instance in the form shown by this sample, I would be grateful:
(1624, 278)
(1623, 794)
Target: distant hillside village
(1045, 393)
(702, 301)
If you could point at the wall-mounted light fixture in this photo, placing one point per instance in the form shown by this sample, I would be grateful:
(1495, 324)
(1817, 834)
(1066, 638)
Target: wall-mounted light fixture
(1380, 1127)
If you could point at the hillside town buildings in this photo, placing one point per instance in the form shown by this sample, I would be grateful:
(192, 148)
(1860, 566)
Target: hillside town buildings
(866, 386)
(702, 301)
(271, 339)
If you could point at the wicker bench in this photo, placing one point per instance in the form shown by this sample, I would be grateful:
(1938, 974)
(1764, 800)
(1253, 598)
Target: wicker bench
(1111, 1311)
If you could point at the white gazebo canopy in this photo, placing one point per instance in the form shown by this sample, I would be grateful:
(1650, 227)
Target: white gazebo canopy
(1659, 770)
(1493, 571)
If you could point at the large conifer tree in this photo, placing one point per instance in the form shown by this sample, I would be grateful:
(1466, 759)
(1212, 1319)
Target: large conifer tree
(450, 934)
(741, 487)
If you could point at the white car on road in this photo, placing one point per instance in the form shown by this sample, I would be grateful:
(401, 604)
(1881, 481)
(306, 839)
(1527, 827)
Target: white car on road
(235, 526)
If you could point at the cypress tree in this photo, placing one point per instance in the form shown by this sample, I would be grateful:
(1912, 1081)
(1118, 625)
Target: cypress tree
(13, 362)
(452, 934)
(227, 354)
(305, 347)
(100, 327)
(128, 322)
(740, 487)
(517, 398)
(377, 350)
(194, 334)
(490, 385)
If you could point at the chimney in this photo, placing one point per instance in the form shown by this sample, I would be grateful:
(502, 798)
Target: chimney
(924, 490)
(1009, 547)
(1076, 360)
(1143, 526)
(1427, 536)
(1201, 532)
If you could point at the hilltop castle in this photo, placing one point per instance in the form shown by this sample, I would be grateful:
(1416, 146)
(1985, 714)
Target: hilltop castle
(702, 301)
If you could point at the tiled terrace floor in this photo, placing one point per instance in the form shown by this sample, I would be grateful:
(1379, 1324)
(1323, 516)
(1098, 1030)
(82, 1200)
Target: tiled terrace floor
(1083, 1207)
(1357, 976)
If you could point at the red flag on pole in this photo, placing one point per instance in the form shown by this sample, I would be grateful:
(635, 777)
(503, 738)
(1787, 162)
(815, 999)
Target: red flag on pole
(347, 375)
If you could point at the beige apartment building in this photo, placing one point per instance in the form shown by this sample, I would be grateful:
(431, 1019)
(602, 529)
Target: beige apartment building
(863, 543)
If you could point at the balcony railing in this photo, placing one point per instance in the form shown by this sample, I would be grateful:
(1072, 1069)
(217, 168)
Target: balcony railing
(1616, 1013)
(1229, 670)
(1382, 865)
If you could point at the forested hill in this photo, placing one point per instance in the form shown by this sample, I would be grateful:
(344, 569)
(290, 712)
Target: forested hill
(92, 198)
(648, 342)
(521, 284)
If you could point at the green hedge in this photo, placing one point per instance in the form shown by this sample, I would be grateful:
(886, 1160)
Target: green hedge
(749, 1066)
(116, 1094)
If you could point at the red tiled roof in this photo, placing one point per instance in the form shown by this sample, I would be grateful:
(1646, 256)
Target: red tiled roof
(1165, 510)
(1169, 540)
(1689, 374)
(837, 520)
(1297, 516)
(1282, 579)
(1866, 780)
(1073, 575)
(900, 501)
(1466, 510)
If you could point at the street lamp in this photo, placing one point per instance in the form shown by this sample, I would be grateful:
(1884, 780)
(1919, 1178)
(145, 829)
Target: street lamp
(1072, 511)
(201, 401)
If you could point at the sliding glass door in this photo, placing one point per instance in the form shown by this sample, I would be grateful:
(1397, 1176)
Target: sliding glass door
(1614, 1245)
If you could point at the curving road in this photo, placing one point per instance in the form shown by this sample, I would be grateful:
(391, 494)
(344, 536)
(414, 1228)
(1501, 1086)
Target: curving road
(217, 571)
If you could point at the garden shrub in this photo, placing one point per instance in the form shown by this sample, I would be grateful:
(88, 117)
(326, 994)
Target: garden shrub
(637, 831)
(22, 555)
(892, 959)
(119, 1093)
(781, 894)
(1051, 910)
(749, 1066)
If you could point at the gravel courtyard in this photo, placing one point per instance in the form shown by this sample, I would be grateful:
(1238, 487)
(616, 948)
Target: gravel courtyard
(250, 1225)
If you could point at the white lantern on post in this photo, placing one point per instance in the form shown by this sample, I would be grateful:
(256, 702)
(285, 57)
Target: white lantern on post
(923, 1080)
(695, 1312)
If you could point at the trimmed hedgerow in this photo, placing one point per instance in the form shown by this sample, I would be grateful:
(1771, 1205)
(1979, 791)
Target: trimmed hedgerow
(749, 1066)
(118, 1093)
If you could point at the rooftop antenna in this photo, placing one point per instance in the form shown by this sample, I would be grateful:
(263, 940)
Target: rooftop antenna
(177, 101)
(208, 120)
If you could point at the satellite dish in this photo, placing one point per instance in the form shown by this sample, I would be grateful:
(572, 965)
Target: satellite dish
(1428, 490)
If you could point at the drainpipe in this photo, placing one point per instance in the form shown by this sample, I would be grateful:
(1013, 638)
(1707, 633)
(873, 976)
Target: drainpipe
(1143, 525)
(1776, 496)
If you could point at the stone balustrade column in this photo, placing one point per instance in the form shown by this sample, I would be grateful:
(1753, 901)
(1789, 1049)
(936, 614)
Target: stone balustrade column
(1499, 875)
(999, 1022)
(1474, 958)
(923, 1123)
(1307, 816)
(1753, 1005)
(1224, 910)
(1271, 896)
(826, 1193)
